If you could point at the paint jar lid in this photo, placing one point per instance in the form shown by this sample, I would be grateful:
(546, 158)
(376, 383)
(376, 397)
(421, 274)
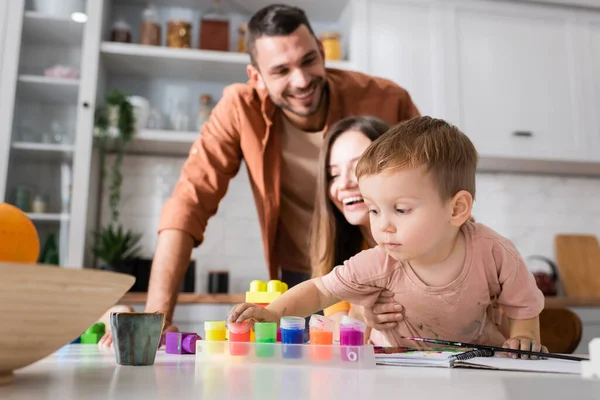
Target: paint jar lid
(188, 343)
(351, 323)
(214, 325)
(292, 323)
(320, 323)
(98, 328)
(238, 327)
(265, 330)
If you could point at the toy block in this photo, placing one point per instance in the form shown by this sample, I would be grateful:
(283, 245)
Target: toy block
(93, 334)
(263, 294)
(181, 342)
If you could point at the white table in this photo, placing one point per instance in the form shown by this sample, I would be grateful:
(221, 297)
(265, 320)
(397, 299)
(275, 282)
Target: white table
(89, 372)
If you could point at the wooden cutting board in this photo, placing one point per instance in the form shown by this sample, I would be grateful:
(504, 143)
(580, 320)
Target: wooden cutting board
(578, 258)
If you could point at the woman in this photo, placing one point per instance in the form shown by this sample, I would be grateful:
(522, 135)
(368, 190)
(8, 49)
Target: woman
(340, 225)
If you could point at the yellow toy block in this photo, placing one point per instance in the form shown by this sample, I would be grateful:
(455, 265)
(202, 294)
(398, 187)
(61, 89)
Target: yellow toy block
(265, 293)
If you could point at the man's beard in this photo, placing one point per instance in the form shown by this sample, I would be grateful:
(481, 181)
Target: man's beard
(318, 84)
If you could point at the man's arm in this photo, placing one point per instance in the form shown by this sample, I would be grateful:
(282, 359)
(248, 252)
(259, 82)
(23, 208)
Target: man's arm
(214, 159)
(171, 259)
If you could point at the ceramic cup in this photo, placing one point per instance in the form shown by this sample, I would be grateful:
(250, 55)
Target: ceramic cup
(136, 336)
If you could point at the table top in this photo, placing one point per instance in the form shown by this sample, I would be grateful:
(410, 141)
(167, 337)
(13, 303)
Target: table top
(90, 372)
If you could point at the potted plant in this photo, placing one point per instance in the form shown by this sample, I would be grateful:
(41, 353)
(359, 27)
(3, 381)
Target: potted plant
(115, 127)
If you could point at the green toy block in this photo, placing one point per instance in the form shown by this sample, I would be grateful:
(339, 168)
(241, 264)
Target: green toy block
(93, 334)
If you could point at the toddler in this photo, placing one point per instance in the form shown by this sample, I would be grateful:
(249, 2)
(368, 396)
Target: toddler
(453, 277)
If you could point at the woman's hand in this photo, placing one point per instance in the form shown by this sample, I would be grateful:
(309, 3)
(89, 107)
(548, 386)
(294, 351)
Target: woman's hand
(524, 343)
(385, 313)
(245, 311)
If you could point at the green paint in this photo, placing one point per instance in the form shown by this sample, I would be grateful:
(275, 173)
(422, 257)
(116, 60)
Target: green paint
(420, 326)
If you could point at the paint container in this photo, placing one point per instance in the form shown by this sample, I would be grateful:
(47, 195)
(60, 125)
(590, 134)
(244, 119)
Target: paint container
(292, 332)
(239, 336)
(215, 331)
(265, 332)
(352, 334)
(321, 333)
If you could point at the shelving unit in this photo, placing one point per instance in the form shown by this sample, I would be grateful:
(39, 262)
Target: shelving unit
(34, 111)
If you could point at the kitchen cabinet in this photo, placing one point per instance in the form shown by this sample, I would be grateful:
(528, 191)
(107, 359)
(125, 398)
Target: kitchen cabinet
(514, 77)
(518, 81)
(401, 47)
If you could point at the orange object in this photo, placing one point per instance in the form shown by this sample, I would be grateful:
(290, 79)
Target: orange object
(331, 45)
(19, 241)
(321, 338)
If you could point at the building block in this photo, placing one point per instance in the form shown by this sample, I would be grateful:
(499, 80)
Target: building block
(181, 342)
(93, 334)
(263, 294)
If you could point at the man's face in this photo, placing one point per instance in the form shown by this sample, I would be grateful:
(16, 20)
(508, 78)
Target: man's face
(292, 70)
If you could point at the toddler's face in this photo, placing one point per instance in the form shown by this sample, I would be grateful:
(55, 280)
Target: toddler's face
(408, 217)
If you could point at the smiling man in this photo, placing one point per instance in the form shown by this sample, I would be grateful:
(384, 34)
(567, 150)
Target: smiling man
(275, 123)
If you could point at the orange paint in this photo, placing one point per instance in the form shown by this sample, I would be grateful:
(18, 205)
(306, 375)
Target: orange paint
(19, 241)
(317, 340)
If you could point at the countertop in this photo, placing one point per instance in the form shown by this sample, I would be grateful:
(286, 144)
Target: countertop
(235, 298)
(90, 372)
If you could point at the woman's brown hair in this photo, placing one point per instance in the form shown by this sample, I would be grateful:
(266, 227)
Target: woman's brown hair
(332, 239)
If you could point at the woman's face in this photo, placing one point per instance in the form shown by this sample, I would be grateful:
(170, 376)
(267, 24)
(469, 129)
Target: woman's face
(343, 187)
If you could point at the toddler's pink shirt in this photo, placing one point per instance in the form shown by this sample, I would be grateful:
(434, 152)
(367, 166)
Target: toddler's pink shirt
(467, 309)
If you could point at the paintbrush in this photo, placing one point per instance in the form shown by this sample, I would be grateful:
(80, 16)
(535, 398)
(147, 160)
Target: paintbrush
(496, 349)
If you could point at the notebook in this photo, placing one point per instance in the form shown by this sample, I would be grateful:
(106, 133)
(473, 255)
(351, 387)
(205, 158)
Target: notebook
(447, 358)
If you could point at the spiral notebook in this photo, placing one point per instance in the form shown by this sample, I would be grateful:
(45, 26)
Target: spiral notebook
(452, 358)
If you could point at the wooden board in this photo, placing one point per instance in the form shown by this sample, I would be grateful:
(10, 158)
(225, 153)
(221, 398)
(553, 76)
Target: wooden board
(578, 258)
(45, 307)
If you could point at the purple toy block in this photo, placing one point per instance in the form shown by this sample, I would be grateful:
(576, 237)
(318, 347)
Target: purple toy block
(181, 342)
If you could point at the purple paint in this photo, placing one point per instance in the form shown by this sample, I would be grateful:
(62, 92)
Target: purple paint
(352, 335)
(181, 342)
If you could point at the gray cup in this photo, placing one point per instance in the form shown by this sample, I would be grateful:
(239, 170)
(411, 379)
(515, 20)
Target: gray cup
(136, 336)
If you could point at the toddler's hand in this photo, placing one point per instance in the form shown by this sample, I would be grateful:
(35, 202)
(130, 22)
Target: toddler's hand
(523, 343)
(245, 311)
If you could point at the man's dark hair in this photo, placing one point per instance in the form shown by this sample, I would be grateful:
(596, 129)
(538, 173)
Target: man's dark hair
(274, 20)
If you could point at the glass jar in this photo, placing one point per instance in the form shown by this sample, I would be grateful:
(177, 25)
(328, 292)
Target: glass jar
(331, 45)
(203, 110)
(150, 33)
(39, 204)
(214, 29)
(242, 38)
(121, 32)
(179, 34)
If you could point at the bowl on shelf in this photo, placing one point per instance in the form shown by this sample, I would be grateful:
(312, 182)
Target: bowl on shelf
(44, 307)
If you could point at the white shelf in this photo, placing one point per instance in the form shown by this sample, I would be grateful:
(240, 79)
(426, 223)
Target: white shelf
(48, 90)
(160, 143)
(317, 10)
(48, 217)
(188, 64)
(43, 152)
(47, 29)
(43, 147)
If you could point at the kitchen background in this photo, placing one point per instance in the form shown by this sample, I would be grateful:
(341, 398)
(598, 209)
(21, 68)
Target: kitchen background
(518, 76)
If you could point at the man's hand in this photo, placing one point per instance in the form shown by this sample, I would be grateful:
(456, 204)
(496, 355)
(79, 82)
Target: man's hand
(523, 343)
(107, 339)
(245, 311)
(385, 314)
